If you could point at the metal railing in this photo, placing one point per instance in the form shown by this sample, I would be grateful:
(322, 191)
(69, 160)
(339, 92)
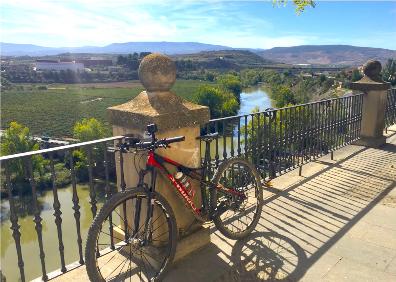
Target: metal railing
(97, 164)
(278, 140)
(390, 110)
(275, 140)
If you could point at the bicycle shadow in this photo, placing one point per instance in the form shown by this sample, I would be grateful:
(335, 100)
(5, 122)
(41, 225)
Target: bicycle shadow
(265, 256)
(262, 256)
(302, 222)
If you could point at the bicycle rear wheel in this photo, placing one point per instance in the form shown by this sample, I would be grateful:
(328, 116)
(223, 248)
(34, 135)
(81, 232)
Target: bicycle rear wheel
(236, 216)
(119, 249)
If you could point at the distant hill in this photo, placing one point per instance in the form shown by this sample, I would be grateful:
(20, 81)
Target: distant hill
(12, 49)
(228, 59)
(326, 54)
(207, 53)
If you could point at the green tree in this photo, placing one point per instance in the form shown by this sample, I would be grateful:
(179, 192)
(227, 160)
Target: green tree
(87, 130)
(210, 76)
(282, 95)
(389, 71)
(211, 97)
(230, 105)
(231, 83)
(220, 102)
(17, 139)
(356, 75)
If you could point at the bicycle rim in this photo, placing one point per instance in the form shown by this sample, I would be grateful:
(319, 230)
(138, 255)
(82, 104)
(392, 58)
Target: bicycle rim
(239, 216)
(119, 249)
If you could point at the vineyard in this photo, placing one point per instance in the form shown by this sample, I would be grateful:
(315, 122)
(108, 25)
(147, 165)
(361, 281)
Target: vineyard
(53, 109)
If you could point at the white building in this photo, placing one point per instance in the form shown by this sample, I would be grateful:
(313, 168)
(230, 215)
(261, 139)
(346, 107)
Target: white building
(53, 65)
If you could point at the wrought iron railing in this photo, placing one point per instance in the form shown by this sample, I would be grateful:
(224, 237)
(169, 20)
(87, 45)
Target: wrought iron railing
(390, 110)
(278, 140)
(275, 140)
(96, 163)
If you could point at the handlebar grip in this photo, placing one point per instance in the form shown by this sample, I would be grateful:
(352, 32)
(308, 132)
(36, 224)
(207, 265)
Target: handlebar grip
(174, 139)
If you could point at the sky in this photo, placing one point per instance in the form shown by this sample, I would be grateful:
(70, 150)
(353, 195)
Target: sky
(243, 24)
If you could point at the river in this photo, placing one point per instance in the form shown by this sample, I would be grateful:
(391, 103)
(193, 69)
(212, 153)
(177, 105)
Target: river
(253, 97)
(250, 99)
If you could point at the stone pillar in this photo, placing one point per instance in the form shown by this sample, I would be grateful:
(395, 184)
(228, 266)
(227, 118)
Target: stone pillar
(374, 103)
(174, 117)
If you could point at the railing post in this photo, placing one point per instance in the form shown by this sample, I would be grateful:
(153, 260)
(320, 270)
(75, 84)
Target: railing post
(174, 117)
(374, 102)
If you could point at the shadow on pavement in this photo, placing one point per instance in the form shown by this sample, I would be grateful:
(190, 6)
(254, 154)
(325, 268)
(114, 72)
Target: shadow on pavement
(298, 224)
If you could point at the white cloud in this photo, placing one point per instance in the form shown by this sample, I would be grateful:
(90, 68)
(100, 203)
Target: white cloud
(56, 23)
(92, 22)
(101, 22)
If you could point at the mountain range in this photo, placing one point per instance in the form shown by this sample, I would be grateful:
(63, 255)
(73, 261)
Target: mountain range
(170, 48)
(326, 54)
(304, 54)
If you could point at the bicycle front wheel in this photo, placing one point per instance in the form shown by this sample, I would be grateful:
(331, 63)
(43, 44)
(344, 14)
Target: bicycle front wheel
(123, 246)
(236, 212)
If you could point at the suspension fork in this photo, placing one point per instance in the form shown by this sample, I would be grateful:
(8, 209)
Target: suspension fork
(205, 170)
(138, 206)
(150, 206)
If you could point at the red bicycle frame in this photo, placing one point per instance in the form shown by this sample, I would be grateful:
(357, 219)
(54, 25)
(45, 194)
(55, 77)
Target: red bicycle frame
(156, 161)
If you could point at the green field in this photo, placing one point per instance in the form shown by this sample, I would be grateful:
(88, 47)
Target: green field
(55, 110)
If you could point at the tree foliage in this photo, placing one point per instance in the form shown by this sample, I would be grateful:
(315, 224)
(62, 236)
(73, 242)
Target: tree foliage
(89, 129)
(231, 83)
(220, 102)
(356, 75)
(131, 61)
(389, 71)
(299, 4)
(282, 96)
(17, 139)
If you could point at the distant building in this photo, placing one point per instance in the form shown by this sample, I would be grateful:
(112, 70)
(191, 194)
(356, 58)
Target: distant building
(95, 62)
(56, 65)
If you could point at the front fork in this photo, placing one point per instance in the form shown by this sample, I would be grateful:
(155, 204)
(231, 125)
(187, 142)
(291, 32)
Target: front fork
(150, 205)
(206, 204)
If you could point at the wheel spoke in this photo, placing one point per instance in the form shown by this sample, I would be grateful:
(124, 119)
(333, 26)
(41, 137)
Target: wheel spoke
(240, 214)
(133, 256)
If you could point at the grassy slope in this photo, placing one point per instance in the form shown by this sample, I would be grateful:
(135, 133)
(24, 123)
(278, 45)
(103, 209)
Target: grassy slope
(54, 112)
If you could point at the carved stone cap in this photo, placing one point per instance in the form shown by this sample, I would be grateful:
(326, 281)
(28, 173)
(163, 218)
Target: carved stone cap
(157, 73)
(158, 104)
(372, 78)
(165, 109)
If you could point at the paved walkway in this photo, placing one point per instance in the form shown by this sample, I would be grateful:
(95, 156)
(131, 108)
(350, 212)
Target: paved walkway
(335, 223)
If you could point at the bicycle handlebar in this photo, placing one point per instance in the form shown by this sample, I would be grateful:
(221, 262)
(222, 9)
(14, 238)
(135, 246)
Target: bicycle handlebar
(150, 145)
(174, 139)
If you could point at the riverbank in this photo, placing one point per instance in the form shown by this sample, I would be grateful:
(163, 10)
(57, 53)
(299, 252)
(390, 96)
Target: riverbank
(253, 97)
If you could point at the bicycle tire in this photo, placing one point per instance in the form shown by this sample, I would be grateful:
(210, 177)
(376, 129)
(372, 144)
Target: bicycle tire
(217, 178)
(110, 207)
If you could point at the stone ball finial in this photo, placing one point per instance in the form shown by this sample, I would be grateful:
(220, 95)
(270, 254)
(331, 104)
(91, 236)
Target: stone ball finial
(372, 69)
(157, 72)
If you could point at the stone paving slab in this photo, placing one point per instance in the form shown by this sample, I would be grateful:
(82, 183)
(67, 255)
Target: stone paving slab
(351, 271)
(336, 222)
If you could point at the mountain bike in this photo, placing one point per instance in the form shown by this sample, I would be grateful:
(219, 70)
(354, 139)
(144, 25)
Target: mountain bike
(134, 235)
